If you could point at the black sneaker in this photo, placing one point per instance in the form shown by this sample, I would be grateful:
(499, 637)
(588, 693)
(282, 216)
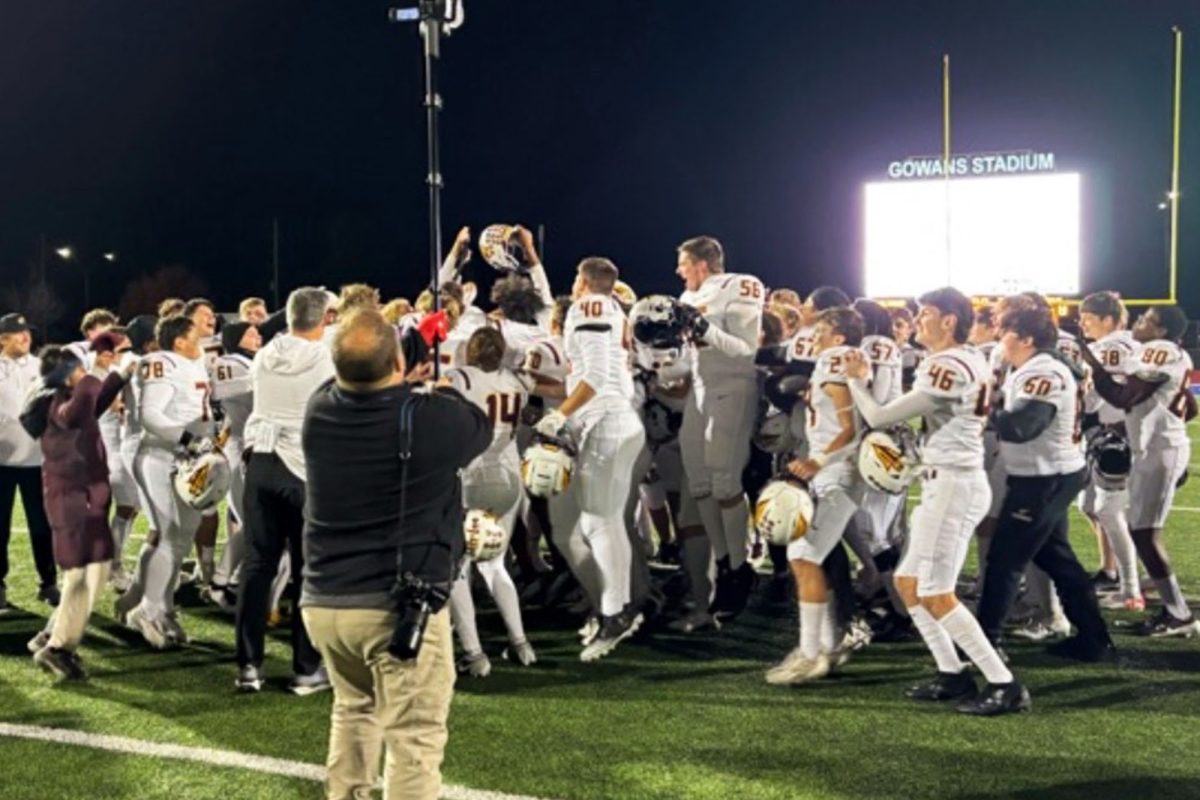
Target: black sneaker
(50, 594)
(944, 686)
(997, 699)
(740, 585)
(1103, 583)
(1165, 624)
(63, 663)
(1078, 648)
(613, 631)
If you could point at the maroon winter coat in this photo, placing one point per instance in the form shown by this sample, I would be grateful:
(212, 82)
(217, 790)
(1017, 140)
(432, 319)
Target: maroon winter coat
(75, 472)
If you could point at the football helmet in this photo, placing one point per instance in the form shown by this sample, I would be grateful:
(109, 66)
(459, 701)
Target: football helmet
(783, 512)
(202, 480)
(499, 247)
(774, 434)
(624, 294)
(657, 323)
(1110, 459)
(485, 536)
(547, 466)
(886, 462)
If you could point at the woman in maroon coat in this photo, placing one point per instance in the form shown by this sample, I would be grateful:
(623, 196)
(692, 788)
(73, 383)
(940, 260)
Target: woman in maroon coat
(77, 494)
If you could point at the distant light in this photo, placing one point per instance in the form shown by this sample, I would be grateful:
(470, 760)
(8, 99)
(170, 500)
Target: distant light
(1163, 206)
(65, 252)
(1172, 195)
(110, 256)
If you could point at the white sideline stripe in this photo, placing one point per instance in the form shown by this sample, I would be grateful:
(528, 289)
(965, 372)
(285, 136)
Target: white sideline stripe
(220, 758)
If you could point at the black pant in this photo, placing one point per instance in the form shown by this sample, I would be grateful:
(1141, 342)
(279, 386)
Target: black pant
(274, 503)
(1033, 527)
(29, 481)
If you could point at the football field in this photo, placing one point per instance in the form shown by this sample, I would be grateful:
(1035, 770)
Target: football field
(666, 716)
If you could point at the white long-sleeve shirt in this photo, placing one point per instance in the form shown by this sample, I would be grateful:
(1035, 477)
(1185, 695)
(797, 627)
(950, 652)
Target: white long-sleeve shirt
(733, 306)
(173, 396)
(596, 336)
(17, 378)
(284, 375)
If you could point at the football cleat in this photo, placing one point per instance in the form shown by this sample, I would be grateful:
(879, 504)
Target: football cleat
(1036, 631)
(613, 631)
(997, 699)
(154, 631)
(249, 679)
(796, 669)
(944, 686)
(589, 631)
(858, 635)
(1077, 648)
(1104, 583)
(1118, 602)
(1164, 624)
(476, 665)
(783, 512)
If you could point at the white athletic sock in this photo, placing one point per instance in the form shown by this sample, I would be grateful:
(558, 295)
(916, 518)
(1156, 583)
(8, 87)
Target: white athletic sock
(733, 524)
(828, 630)
(158, 594)
(697, 559)
(714, 525)
(936, 639)
(964, 630)
(462, 615)
(1115, 528)
(504, 592)
(812, 616)
(1172, 596)
(138, 588)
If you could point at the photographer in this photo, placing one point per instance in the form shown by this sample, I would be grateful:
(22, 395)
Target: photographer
(382, 540)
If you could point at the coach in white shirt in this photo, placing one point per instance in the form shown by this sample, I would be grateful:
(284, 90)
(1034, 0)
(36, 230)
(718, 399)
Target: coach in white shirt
(284, 374)
(21, 458)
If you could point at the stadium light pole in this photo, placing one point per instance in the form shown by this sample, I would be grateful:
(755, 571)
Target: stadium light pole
(435, 18)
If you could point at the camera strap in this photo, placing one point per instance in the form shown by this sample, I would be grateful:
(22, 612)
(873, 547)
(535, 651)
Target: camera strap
(407, 410)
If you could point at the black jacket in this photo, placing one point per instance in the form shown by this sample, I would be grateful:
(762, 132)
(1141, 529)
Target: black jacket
(353, 534)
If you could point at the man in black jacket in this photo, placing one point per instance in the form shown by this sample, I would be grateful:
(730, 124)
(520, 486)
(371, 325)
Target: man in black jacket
(383, 500)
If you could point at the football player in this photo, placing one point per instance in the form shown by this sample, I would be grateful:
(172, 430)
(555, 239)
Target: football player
(722, 312)
(204, 315)
(1040, 441)
(253, 310)
(491, 483)
(1102, 319)
(233, 389)
(803, 344)
(832, 433)
(1158, 404)
(983, 332)
(949, 394)
(175, 415)
(599, 406)
(140, 333)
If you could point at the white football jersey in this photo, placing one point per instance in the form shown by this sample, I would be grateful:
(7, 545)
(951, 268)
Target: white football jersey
(1158, 421)
(131, 416)
(985, 349)
(501, 395)
(173, 394)
(598, 343)
(547, 359)
(1114, 352)
(952, 434)
(886, 370)
(233, 387)
(1056, 450)
(823, 423)
(732, 303)
(803, 346)
(1068, 345)
(998, 371)
(519, 337)
(212, 347)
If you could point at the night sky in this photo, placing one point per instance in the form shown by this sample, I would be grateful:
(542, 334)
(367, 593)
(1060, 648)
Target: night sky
(172, 132)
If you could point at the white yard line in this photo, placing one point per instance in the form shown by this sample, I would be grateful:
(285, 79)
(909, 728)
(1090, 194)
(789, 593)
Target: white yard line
(219, 758)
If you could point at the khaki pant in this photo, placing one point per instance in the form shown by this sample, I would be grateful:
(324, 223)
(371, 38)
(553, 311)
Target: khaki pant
(80, 588)
(381, 703)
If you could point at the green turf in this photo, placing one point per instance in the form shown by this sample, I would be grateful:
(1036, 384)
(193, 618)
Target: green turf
(666, 716)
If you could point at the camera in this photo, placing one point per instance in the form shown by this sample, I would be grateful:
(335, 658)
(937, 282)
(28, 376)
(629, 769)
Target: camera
(417, 601)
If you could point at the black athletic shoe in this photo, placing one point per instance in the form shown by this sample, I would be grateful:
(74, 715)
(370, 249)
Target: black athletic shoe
(944, 686)
(1165, 624)
(50, 594)
(1078, 648)
(1103, 583)
(720, 601)
(613, 631)
(63, 663)
(997, 699)
(741, 584)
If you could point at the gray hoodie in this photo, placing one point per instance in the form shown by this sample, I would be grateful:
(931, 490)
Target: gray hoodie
(285, 373)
